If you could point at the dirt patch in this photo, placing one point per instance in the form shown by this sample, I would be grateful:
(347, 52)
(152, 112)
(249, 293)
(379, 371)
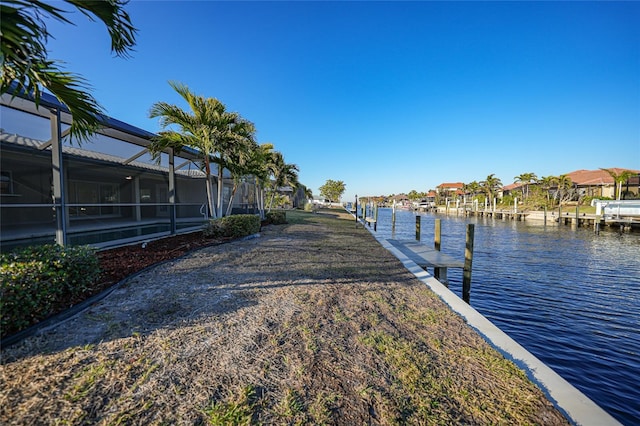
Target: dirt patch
(311, 323)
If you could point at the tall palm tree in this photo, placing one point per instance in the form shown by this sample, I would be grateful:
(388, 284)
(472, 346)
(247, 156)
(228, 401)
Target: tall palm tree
(619, 179)
(282, 174)
(201, 128)
(233, 150)
(526, 179)
(564, 185)
(239, 156)
(472, 188)
(491, 185)
(546, 183)
(258, 167)
(27, 68)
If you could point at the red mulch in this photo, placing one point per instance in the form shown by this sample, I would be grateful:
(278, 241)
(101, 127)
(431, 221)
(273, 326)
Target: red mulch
(120, 262)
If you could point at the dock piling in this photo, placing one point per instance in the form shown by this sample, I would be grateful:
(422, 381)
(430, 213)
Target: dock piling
(468, 261)
(437, 245)
(418, 228)
(375, 217)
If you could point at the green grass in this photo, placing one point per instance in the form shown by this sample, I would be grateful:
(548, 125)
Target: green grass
(238, 410)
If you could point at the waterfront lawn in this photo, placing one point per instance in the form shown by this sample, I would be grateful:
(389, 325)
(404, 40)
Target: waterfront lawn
(312, 323)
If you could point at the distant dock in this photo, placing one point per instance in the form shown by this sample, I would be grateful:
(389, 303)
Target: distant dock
(626, 220)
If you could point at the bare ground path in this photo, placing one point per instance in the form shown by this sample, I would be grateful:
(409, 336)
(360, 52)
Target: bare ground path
(311, 323)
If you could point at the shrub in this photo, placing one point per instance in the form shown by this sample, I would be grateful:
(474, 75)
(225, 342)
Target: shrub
(235, 226)
(42, 280)
(277, 217)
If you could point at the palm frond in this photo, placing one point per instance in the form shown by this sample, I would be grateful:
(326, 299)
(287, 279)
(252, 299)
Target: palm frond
(118, 22)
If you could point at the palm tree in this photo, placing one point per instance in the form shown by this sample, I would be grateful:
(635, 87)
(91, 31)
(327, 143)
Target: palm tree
(233, 152)
(619, 179)
(308, 194)
(258, 167)
(490, 185)
(526, 179)
(239, 157)
(282, 174)
(472, 188)
(201, 128)
(564, 185)
(547, 182)
(25, 64)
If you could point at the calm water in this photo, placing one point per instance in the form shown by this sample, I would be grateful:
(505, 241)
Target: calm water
(572, 298)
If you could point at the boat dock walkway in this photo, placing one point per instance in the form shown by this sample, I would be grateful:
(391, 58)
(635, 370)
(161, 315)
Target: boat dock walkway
(426, 257)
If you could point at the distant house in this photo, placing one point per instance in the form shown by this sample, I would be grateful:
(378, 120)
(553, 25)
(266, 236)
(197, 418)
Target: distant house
(401, 200)
(295, 197)
(514, 187)
(590, 183)
(451, 190)
(599, 183)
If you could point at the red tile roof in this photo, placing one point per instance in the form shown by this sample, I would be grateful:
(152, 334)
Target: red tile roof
(454, 185)
(595, 177)
(513, 186)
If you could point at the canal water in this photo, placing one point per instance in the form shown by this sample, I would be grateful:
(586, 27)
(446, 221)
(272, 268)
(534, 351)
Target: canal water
(569, 296)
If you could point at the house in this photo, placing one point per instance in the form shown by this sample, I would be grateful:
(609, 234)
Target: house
(599, 183)
(514, 187)
(590, 183)
(450, 190)
(52, 191)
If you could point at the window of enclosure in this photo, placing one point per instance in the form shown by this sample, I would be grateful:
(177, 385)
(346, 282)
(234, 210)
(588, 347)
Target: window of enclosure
(6, 183)
(93, 199)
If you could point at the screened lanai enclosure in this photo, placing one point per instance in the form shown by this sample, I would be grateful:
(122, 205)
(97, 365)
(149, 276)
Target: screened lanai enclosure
(107, 191)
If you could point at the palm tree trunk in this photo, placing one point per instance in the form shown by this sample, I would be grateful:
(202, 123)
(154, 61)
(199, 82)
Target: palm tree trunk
(273, 195)
(261, 202)
(220, 188)
(233, 195)
(212, 210)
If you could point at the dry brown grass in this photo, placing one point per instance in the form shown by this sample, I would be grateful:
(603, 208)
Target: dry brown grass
(312, 323)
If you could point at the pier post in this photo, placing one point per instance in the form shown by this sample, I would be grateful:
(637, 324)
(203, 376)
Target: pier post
(559, 214)
(468, 261)
(577, 216)
(355, 210)
(596, 224)
(418, 228)
(437, 245)
(545, 215)
(375, 217)
(393, 215)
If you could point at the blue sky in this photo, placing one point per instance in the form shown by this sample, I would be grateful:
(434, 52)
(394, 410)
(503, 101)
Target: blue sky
(389, 96)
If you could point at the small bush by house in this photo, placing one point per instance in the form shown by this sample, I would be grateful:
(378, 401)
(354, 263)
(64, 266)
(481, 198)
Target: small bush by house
(235, 226)
(41, 280)
(277, 218)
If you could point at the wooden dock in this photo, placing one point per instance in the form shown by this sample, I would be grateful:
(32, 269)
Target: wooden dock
(426, 257)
